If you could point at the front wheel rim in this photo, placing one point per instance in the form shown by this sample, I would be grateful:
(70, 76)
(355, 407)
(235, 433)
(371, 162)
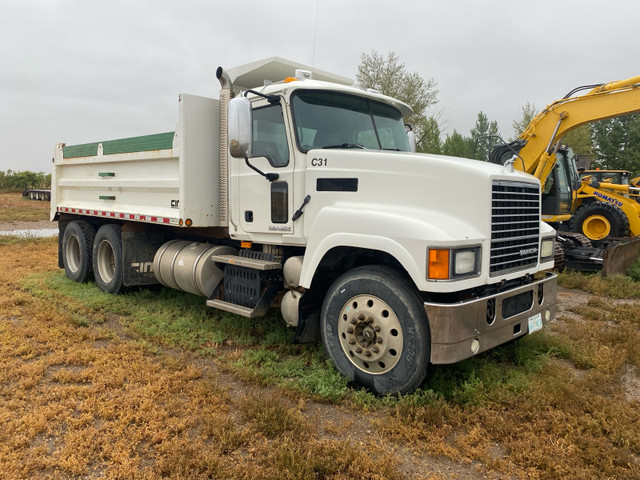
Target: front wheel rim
(596, 227)
(370, 334)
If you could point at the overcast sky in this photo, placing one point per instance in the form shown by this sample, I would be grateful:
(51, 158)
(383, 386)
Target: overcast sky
(78, 71)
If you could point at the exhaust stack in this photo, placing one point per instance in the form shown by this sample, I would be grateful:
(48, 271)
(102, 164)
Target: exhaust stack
(224, 79)
(226, 94)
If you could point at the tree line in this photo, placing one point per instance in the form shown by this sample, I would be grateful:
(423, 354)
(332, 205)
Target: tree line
(11, 180)
(612, 143)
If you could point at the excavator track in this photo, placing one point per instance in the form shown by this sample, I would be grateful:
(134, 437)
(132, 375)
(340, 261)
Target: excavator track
(613, 257)
(558, 256)
(576, 239)
(578, 253)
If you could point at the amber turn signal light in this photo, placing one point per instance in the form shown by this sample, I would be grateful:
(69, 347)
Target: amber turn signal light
(438, 266)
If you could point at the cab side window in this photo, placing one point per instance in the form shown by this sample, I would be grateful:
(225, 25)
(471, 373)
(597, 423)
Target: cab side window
(269, 136)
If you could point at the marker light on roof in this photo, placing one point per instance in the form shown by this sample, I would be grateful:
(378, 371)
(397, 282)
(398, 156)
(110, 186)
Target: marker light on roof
(302, 74)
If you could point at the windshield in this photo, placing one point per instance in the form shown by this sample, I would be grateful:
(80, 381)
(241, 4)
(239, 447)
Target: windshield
(325, 119)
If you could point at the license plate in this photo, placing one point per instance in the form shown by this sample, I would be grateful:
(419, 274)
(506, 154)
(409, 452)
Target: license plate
(535, 323)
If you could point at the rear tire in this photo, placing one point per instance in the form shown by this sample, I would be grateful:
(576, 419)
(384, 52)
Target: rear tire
(77, 246)
(108, 268)
(374, 328)
(599, 220)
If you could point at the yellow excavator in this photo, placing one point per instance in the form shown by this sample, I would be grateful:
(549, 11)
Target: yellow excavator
(590, 211)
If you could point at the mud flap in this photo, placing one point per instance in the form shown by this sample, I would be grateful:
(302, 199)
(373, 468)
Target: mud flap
(617, 259)
(139, 246)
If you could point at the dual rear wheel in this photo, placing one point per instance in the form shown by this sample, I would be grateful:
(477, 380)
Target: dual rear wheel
(107, 259)
(89, 254)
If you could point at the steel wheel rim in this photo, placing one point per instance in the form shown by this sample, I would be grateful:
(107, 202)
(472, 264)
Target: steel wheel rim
(370, 334)
(106, 261)
(72, 252)
(596, 227)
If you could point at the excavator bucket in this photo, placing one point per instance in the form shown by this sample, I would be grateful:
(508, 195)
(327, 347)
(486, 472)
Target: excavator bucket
(617, 259)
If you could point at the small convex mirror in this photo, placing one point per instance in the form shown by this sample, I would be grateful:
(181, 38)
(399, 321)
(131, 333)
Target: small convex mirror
(240, 127)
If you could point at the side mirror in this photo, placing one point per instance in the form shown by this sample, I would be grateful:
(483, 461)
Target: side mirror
(240, 128)
(411, 136)
(412, 140)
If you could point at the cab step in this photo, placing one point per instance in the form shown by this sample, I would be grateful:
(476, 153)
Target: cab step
(250, 282)
(258, 310)
(233, 308)
(247, 262)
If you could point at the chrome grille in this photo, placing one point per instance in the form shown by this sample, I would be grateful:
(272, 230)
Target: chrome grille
(515, 226)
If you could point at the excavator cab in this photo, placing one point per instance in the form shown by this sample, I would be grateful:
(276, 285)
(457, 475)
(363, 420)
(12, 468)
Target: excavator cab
(558, 191)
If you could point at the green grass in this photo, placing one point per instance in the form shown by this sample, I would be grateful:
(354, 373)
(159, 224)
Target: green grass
(302, 368)
(166, 316)
(257, 349)
(614, 286)
(634, 270)
(15, 240)
(261, 350)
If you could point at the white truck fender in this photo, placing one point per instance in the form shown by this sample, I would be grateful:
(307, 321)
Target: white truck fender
(352, 227)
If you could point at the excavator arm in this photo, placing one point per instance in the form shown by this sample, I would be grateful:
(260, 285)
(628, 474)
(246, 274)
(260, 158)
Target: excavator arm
(535, 151)
(614, 99)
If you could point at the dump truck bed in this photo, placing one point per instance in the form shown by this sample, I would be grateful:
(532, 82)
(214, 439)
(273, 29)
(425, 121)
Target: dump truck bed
(168, 178)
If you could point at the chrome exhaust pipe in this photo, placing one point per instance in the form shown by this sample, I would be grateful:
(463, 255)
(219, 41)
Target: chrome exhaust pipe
(224, 79)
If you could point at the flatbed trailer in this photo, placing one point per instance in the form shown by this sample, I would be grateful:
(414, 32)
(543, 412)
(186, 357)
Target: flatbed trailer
(37, 194)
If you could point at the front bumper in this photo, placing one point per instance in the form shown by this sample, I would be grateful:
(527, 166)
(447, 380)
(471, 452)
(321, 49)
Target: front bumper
(462, 330)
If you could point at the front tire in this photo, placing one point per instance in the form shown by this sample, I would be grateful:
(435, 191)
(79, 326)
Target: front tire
(107, 259)
(77, 245)
(599, 220)
(375, 330)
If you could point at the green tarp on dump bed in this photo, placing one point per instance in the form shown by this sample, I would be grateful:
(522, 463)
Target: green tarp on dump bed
(158, 141)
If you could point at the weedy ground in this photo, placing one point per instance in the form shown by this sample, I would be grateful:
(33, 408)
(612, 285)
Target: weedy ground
(153, 384)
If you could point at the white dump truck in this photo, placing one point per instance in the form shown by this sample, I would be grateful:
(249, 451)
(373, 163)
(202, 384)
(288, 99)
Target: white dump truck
(300, 191)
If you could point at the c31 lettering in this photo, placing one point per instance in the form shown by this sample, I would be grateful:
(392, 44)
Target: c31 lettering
(318, 162)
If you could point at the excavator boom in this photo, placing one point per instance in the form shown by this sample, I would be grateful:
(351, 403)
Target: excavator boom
(609, 100)
(597, 211)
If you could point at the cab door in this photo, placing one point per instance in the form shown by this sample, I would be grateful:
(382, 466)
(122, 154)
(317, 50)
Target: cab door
(558, 191)
(266, 206)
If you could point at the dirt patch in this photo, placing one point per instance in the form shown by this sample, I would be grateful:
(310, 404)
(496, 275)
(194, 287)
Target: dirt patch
(568, 300)
(631, 384)
(21, 225)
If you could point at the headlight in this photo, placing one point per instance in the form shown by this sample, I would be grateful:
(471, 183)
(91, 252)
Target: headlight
(448, 264)
(546, 248)
(464, 262)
